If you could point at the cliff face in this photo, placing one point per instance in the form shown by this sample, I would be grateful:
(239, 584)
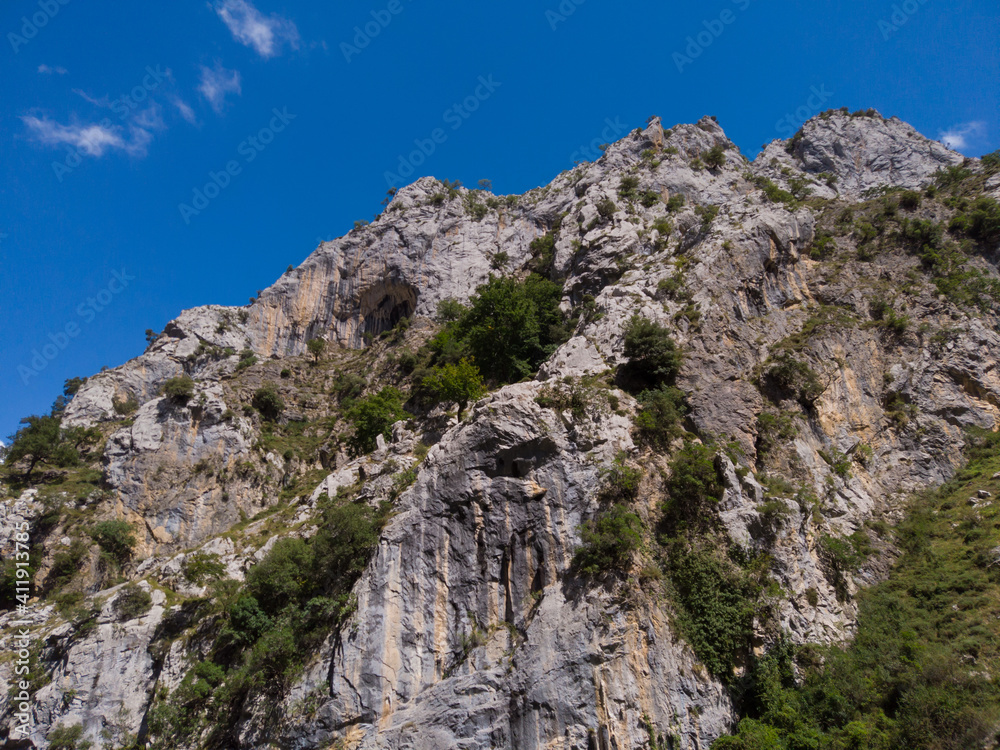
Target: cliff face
(470, 628)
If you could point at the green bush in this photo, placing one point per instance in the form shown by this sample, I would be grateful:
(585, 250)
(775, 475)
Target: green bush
(981, 222)
(676, 202)
(658, 421)
(606, 209)
(201, 567)
(283, 576)
(628, 188)
(116, 539)
(247, 359)
(653, 358)
(268, 402)
(796, 378)
(693, 489)
(132, 602)
(620, 482)
(179, 389)
(246, 621)
(125, 407)
(64, 737)
(772, 431)
(715, 157)
(717, 604)
(909, 200)
(609, 542)
(374, 416)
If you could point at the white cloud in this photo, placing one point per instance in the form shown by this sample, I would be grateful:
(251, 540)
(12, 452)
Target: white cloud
(216, 83)
(958, 137)
(103, 101)
(250, 27)
(47, 70)
(185, 109)
(94, 139)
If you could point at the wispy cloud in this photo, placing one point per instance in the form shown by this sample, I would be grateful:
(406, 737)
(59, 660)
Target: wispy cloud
(185, 109)
(49, 70)
(93, 139)
(958, 137)
(266, 34)
(104, 101)
(216, 83)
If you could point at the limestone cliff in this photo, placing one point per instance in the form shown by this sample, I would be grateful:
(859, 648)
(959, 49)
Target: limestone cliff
(470, 627)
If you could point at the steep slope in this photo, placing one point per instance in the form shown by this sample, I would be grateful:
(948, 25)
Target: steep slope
(838, 345)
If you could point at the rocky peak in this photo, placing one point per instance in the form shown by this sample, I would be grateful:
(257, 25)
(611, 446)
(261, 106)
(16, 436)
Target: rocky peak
(862, 151)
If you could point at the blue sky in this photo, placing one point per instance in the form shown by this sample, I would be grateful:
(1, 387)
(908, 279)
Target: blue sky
(114, 117)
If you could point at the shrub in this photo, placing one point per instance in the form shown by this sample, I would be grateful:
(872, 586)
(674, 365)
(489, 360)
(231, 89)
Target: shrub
(450, 310)
(606, 209)
(543, 254)
(201, 567)
(772, 430)
(676, 202)
(653, 357)
(132, 602)
(68, 738)
(620, 481)
(717, 604)
(347, 386)
(267, 401)
(283, 576)
(247, 359)
(347, 539)
(775, 194)
(628, 188)
(658, 419)
(909, 200)
(374, 416)
(126, 406)
(247, 621)
(459, 384)
(715, 157)
(116, 539)
(179, 389)
(609, 542)
(791, 376)
(693, 489)
(981, 222)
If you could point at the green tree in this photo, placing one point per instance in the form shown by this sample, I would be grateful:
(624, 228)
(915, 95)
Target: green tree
(268, 402)
(283, 576)
(455, 383)
(374, 416)
(316, 347)
(512, 326)
(41, 441)
(653, 358)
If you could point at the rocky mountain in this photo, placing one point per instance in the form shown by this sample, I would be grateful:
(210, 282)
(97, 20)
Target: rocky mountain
(834, 304)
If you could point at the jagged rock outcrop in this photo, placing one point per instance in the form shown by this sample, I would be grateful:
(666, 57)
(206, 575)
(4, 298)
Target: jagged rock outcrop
(471, 628)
